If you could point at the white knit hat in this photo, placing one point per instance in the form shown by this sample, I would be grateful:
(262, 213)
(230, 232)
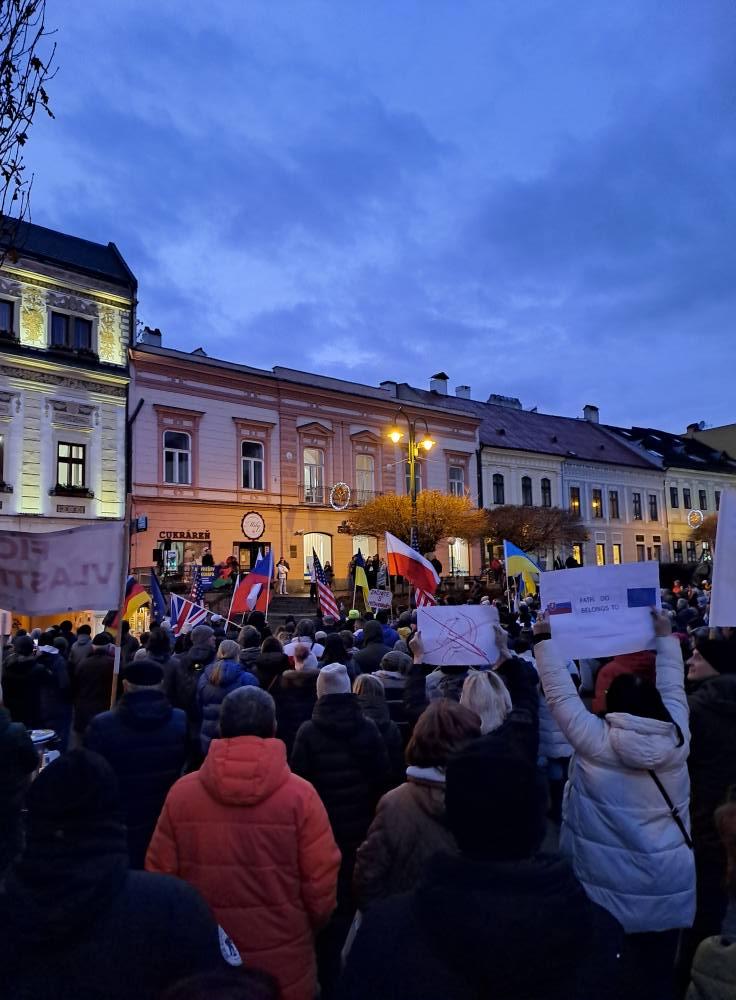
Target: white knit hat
(333, 679)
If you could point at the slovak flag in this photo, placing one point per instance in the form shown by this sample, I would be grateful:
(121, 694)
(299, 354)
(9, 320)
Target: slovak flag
(407, 562)
(251, 593)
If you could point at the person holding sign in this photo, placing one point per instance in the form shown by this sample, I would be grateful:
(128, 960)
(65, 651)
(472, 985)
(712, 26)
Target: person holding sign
(625, 823)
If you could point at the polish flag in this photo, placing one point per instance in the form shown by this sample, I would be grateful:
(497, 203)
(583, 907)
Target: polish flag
(405, 561)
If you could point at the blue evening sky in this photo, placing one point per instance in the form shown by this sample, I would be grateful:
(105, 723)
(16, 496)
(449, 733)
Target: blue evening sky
(537, 196)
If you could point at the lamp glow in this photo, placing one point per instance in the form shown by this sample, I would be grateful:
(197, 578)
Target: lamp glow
(427, 443)
(395, 435)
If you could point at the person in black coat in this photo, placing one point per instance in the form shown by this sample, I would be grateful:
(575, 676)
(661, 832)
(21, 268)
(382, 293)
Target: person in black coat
(76, 922)
(498, 920)
(189, 668)
(373, 704)
(368, 659)
(18, 761)
(92, 685)
(270, 663)
(295, 695)
(158, 649)
(144, 740)
(55, 689)
(22, 676)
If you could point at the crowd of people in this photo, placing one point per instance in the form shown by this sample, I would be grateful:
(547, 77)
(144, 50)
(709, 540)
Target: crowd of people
(315, 810)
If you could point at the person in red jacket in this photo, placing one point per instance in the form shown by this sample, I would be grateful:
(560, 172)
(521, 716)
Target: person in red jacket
(256, 841)
(640, 664)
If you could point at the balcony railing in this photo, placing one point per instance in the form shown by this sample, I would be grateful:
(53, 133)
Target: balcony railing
(320, 496)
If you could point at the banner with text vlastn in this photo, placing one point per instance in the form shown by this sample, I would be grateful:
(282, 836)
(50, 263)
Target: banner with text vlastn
(602, 610)
(78, 569)
(723, 596)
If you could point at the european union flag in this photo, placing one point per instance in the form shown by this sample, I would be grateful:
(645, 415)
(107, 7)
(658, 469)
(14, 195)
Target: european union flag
(157, 599)
(641, 597)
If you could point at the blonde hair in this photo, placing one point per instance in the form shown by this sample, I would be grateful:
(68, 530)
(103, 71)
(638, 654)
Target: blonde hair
(227, 650)
(367, 684)
(486, 694)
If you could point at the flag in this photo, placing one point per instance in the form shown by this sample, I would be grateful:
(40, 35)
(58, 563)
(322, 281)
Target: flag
(184, 612)
(519, 563)
(361, 580)
(251, 593)
(197, 590)
(327, 602)
(135, 598)
(158, 604)
(405, 561)
(422, 599)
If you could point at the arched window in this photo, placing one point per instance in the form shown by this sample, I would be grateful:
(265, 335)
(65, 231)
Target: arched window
(314, 476)
(499, 493)
(546, 493)
(321, 544)
(252, 465)
(365, 478)
(368, 545)
(526, 491)
(177, 457)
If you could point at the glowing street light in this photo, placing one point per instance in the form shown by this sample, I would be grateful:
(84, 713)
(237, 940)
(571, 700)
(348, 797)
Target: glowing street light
(426, 444)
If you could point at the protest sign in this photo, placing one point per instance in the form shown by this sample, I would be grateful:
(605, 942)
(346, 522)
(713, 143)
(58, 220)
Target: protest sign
(458, 635)
(380, 599)
(601, 610)
(78, 569)
(723, 596)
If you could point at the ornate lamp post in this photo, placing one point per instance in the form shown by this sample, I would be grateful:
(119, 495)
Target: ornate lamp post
(425, 443)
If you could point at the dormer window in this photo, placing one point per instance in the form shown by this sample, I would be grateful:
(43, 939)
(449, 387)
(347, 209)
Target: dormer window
(7, 309)
(72, 332)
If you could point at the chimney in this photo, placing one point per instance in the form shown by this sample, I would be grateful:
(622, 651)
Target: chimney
(462, 391)
(590, 413)
(438, 383)
(388, 386)
(149, 336)
(692, 429)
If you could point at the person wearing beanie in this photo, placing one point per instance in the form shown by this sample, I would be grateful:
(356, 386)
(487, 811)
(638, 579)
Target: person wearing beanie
(21, 680)
(81, 649)
(218, 679)
(249, 640)
(144, 740)
(92, 685)
(76, 922)
(368, 659)
(343, 755)
(492, 918)
(255, 840)
(712, 766)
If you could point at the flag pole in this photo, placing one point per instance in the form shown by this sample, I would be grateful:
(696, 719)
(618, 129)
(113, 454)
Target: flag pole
(123, 587)
(268, 586)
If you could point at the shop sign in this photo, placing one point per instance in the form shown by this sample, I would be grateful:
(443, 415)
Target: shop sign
(185, 536)
(252, 525)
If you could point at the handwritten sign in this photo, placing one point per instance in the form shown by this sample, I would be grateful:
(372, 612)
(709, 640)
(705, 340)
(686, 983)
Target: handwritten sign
(380, 598)
(602, 610)
(723, 597)
(461, 635)
(43, 573)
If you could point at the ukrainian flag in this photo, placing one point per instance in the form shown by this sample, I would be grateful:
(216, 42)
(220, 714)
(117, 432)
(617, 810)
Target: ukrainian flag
(518, 563)
(361, 580)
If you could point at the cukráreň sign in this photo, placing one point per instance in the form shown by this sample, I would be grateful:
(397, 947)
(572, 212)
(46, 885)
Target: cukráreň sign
(601, 610)
(78, 569)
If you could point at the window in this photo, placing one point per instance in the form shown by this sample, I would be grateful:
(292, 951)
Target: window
(641, 555)
(498, 489)
(613, 508)
(322, 545)
(636, 501)
(703, 499)
(2, 458)
(365, 477)
(653, 508)
(617, 554)
(177, 457)
(600, 554)
(677, 552)
(252, 462)
(577, 553)
(691, 553)
(526, 491)
(6, 316)
(459, 557)
(657, 551)
(457, 480)
(575, 501)
(597, 506)
(417, 472)
(367, 544)
(674, 497)
(70, 471)
(314, 476)
(546, 493)
(71, 331)
(686, 501)
(718, 499)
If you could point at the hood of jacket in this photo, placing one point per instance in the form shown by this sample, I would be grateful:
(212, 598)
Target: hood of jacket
(230, 672)
(20, 666)
(82, 640)
(717, 695)
(249, 656)
(427, 788)
(144, 711)
(338, 713)
(299, 680)
(642, 744)
(244, 770)
(198, 656)
(376, 709)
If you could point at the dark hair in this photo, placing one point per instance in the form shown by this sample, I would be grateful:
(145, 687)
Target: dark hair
(638, 696)
(347, 638)
(335, 651)
(66, 625)
(158, 642)
(382, 616)
(271, 645)
(47, 639)
(84, 630)
(227, 983)
(124, 627)
(444, 726)
(247, 711)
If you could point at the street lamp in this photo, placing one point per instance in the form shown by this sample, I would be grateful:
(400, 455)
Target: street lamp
(426, 443)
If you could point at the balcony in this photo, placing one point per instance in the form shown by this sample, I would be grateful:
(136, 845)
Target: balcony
(71, 491)
(319, 496)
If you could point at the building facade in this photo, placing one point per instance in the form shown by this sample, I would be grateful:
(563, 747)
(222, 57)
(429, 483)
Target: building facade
(67, 309)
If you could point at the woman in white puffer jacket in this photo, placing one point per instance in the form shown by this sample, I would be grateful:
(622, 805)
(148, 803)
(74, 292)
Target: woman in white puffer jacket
(626, 847)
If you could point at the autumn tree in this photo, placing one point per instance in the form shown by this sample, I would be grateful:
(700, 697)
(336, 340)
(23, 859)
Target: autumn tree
(439, 515)
(26, 66)
(533, 528)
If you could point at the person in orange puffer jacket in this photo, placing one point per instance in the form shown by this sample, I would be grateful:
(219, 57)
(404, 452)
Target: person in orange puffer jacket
(256, 841)
(641, 664)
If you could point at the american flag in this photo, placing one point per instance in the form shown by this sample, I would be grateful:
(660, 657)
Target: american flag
(197, 591)
(183, 612)
(422, 598)
(327, 602)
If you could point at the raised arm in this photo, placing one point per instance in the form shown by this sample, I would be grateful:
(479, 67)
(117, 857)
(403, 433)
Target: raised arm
(671, 673)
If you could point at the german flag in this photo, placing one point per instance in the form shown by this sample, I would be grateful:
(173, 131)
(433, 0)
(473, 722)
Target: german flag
(135, 597)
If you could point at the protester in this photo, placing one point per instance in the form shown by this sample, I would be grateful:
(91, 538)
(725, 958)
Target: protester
(496, 920)
(92, 688)
(144, 740)
(271, 662)
(55, 696)
(304, 636)
(18, 761)
(335, 652)
(390, 635)
(372, 701)
(158, 648)
(76, 922)
(368, 659)
(219, 678)
(282, 575)
(409, 826)
(296, 695)
(639, 664)
(304, 658)
(81, 649)
(190, 666)
(629, 850)
(129, 645)
(256, 841)
(22, 683)
(249, 640)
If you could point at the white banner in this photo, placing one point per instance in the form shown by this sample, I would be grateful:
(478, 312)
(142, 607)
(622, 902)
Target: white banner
(462, 634)
(380, 598)
(78, 569)
(723, 596)
(602, 610)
